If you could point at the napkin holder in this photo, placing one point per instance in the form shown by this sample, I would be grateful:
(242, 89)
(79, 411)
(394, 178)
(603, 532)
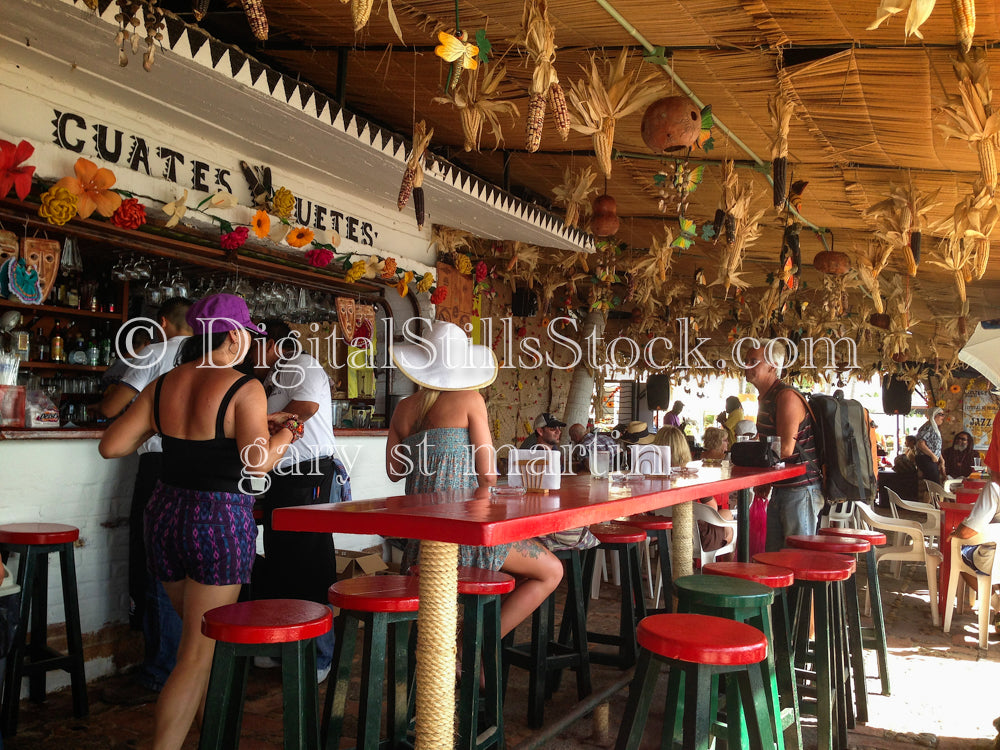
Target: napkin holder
(537, 471)
(650, 460)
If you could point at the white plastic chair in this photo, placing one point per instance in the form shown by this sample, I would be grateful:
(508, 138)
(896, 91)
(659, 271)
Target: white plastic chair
(909, 546)
(984, 585)
(711, 516)
(839, 515)
(937, 493)
(951, 484)
(931, 524)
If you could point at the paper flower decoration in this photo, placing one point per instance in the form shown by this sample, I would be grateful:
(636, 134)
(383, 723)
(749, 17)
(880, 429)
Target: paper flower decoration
(425, 283)
(464, 264)
(92, 186)
(176, 210)
(12, 174)
(283, 203)
(389, 268)
(482, 271)
(941, 403)
(234, 240)
(129, 215)
(356, 272)
(261, 224)
(439, 296)
(955, 388)
(58, 205)
(403, 285)
(319, 257)
(222, 199)
(299, 237)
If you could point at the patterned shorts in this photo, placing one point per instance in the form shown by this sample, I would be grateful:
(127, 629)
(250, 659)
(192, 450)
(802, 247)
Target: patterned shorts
(209, 537)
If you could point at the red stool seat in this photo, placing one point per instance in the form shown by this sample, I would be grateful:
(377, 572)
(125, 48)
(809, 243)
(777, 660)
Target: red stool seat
(38, 533)
(649, 522)
(479, 581)
(702, 639)
(267, 621)
(768, 575)
(818, 543)
(376, 594)
(617, 533)
(874, 538)
(810, 566)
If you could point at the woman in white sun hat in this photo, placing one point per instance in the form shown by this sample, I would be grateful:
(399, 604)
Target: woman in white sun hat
(439, 439)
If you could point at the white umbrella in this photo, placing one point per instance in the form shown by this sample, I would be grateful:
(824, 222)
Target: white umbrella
(982, 351)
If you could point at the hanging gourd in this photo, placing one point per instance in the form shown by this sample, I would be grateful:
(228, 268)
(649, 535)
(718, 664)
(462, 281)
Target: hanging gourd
(832, 263)
(604, 221)
(671, 124)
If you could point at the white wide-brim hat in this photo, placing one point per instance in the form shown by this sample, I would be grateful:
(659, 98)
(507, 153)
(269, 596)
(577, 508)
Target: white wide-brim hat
(445, 359)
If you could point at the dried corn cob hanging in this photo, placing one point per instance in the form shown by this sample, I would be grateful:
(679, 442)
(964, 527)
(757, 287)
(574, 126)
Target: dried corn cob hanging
(199, 9)
(254, 10)
(536, 122)
(538, 36)
(478, 103)
(418, 197)
(421, 140)
(361, 11)
(970, 115)
(560, 112)
(780, 110)
(964, 13)
(981, 258)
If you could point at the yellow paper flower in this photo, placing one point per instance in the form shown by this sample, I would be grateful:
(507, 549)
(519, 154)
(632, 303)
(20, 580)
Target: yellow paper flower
(261, 224)
(283, 202)
(92, 186)
(299, 237)
(464, 264)
(941, 403)
(425, 283)
(403, 285)
(357, 271)
(176, 210)
(58, 205)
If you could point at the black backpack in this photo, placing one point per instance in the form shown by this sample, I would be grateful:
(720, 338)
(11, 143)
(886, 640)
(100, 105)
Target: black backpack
(844, 448)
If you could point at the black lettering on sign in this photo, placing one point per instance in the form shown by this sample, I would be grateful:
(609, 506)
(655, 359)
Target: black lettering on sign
(139, 155)
(112, 154)
(198, 170)
(61, 137)
(220, 179)
(321, 212)
(367, 237)
(335, 217)
(170, 159)
(352, 229)
(299, 204)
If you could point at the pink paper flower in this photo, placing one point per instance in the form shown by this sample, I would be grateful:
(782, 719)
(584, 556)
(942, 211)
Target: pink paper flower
(482, 271)
(11, 174)
(319, 257)
(234, 240)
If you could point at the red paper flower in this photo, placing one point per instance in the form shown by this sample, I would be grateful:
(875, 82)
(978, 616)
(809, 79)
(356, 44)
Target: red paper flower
(12, 175)
(439, 295)
(234, 240)
(522, 332)
(129, 215)
(482, 271)
(319, 257)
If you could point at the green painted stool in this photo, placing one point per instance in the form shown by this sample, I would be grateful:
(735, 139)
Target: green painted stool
(386, 606)
(34, 542)
(743, 601)
(279, 628)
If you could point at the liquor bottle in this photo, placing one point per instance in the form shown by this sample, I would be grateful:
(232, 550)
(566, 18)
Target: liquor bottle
(40, 347)
(22, 340)
(56, 344)
(104, 358)
(88, 290)
(73, 293)
(93, 349)
(76, 351)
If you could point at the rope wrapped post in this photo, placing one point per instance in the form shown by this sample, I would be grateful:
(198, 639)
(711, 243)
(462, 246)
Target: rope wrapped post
(683, 542)
(436, 645)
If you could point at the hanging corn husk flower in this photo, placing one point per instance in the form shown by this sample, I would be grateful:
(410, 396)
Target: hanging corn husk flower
(871, 262)
(523, 263)
(414, 165)
(972, 223)
(538, 36)
(918, 12)
(737, 197)
(964, 13)
(449, 241)
(574, 193)
(901, 219)
(598, 103)
(953, 255)
(477, 105)
(970, 116)
(649, 272)
(780, 109)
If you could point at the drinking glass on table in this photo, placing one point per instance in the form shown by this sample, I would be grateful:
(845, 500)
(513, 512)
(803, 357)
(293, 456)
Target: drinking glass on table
(600, 463)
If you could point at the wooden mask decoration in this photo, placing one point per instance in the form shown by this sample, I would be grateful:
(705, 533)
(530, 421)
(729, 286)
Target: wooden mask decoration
(44, 255)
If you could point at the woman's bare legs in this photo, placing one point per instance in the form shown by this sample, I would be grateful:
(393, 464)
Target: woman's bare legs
(538, 572)
(184, 692)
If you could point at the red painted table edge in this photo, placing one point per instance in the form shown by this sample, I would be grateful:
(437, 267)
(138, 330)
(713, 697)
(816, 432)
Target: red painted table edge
(412, 519)
(952, 514)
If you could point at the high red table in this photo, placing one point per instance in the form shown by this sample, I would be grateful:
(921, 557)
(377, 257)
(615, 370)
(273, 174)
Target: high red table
(443, 520)
(952, 514)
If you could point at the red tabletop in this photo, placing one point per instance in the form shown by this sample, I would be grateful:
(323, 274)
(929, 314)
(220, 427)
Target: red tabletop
(476, 517)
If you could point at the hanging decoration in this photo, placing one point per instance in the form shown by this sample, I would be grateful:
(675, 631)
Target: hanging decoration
(780, 109)
(478, 104)
(969, 116)
(604, 221)
(413, 176)
(871, 262)
(901, 220)
(737, 198)
(672, 123)
(538, 36)
(918, 11)
(457, 51)
(675, 185)
(598, 102)
(574, 193)
(13, 172)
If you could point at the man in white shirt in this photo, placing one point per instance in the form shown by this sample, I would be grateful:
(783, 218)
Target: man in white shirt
(299, 565)
(150, 609)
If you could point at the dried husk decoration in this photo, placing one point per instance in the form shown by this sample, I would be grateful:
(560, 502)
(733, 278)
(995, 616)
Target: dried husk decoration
(478, 104)
(953, 254)
(523, 263)
(411, 183)
(574, 193)
(972, 224)
(737, 197)
(597, 102)
(650, 271)
(780, 110)
(970, 116)
(901, 218)
(449, 241)
(918, 11)
(538, 36)
(871, 262)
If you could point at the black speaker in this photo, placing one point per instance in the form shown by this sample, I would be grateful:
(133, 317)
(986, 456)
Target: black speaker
(658, 392)
(524, 303)
(896, 396)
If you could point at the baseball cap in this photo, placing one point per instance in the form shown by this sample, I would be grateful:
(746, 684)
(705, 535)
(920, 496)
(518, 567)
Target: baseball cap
(547, 420)
(219, 313)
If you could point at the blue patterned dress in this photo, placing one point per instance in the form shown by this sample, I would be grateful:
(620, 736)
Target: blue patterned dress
(442, 460)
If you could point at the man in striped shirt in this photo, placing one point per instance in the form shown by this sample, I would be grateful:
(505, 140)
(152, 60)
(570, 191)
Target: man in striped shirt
(795, 503)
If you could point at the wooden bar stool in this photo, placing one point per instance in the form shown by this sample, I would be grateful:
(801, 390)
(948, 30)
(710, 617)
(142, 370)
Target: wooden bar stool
(34, 542)
(845, 545)
(702, 647)
(815, 572)
(386, 605)
(285, 628)
(779, 580)
(624, 541)
(657, 527)
(874, 637)
(545, 655)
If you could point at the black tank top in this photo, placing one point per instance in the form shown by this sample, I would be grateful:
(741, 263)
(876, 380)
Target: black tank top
(210, 465)
(805, 439)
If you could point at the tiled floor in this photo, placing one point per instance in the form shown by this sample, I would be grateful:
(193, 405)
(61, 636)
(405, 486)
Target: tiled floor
(944, 696)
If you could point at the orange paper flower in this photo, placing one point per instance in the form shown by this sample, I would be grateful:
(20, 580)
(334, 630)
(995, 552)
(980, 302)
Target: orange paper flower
(92, 186)
(955, 388)
(261, 224)
(299, 237)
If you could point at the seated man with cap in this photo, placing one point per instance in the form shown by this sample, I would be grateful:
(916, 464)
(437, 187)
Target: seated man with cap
(585, 442)
(548, 431)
